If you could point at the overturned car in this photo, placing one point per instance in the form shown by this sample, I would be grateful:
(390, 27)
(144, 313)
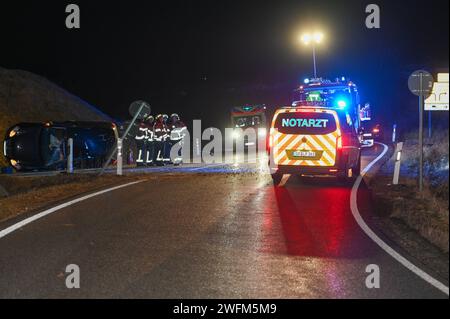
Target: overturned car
(45, 146)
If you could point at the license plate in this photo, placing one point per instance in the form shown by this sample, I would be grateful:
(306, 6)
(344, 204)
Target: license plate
(306, 154)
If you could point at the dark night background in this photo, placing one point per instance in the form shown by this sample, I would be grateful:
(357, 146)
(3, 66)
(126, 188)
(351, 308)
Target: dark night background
(200, 58)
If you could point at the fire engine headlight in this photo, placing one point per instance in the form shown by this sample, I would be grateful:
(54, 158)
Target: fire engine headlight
(262, 132)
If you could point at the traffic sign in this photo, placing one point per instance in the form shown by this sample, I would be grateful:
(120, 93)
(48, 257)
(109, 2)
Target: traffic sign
(420, 83)
(438, 99)
(141, 109)
(138, 110)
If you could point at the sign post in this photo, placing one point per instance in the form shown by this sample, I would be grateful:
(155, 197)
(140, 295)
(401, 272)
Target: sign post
(119, 157)
(420, 83)
(394, 133)
(70, 157)
(429, 124)
(139, 110)
(398, 158)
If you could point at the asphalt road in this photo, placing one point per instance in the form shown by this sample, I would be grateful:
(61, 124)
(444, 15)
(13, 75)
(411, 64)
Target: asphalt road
(215, 233)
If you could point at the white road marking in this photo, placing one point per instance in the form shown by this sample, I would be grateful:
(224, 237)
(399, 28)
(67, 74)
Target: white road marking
(354, 208)
(33, 218)
(284, 180)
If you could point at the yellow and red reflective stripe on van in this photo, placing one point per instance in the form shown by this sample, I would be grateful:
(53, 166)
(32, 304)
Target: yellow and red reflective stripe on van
(323, 146)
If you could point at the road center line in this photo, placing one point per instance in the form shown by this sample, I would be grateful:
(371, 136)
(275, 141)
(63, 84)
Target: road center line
(356, 214)
(33, 218)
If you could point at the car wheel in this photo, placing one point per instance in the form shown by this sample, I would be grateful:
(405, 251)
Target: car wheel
(276, 178)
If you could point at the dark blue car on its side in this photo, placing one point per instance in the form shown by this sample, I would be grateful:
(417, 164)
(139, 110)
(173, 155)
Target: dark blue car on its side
(44, 146)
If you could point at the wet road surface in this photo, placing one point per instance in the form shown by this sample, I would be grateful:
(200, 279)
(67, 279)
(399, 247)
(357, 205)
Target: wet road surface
(219, 232)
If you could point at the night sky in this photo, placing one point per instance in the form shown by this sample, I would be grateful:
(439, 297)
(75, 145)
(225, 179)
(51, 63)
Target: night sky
(201, 58)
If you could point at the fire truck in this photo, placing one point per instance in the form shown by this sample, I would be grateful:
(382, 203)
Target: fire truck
(339, 94)
(249, 117)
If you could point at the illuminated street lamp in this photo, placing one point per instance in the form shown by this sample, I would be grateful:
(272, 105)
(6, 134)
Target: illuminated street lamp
(313, 39)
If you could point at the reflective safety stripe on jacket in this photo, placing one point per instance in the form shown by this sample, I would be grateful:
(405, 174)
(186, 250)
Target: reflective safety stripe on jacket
(150, 135)
(160, 132)
(142, 133)
(178, 133)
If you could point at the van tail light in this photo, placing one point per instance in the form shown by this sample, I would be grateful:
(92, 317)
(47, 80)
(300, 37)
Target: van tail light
(339, 143)
(269, 143)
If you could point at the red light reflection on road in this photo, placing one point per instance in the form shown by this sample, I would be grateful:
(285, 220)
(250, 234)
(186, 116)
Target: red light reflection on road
(312, 220)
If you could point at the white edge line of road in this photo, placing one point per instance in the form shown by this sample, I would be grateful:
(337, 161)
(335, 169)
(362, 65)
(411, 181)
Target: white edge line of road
(402, 260)
(33, 218)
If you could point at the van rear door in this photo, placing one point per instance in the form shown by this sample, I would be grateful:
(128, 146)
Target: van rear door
(306, 137)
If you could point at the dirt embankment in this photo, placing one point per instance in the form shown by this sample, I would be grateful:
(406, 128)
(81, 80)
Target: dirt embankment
(26, 97)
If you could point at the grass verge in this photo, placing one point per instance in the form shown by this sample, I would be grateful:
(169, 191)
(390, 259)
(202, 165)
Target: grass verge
(28, 194)
(428, 212)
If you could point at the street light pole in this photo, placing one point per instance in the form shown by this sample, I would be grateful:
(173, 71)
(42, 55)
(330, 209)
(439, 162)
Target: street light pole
(314, 60)
(313, 39)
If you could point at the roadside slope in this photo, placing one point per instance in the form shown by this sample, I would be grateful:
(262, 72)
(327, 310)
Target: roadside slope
(26, 97)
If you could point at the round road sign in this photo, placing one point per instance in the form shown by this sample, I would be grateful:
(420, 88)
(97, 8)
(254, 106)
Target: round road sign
(418, 88)
(136, 106)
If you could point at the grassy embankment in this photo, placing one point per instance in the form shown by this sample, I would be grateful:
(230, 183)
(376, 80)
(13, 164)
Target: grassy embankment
(426, 212)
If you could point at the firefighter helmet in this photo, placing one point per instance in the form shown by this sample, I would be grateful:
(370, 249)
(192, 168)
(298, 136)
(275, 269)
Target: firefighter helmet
(176, 116)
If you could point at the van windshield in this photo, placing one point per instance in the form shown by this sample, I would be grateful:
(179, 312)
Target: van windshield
(305, 123)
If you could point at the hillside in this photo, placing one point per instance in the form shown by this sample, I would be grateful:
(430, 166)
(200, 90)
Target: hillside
(26, 97)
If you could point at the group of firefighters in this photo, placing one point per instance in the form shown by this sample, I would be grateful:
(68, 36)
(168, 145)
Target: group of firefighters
(156, 137)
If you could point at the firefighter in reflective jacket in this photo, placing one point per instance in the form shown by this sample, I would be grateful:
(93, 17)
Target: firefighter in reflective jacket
(150, 140)
(167, 146)
(177, 132)
(141, 138)
(160, 136)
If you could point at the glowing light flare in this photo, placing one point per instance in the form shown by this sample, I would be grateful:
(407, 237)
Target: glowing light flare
(316, 37)
(342, 104)
(262, 132)
(306, 38)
